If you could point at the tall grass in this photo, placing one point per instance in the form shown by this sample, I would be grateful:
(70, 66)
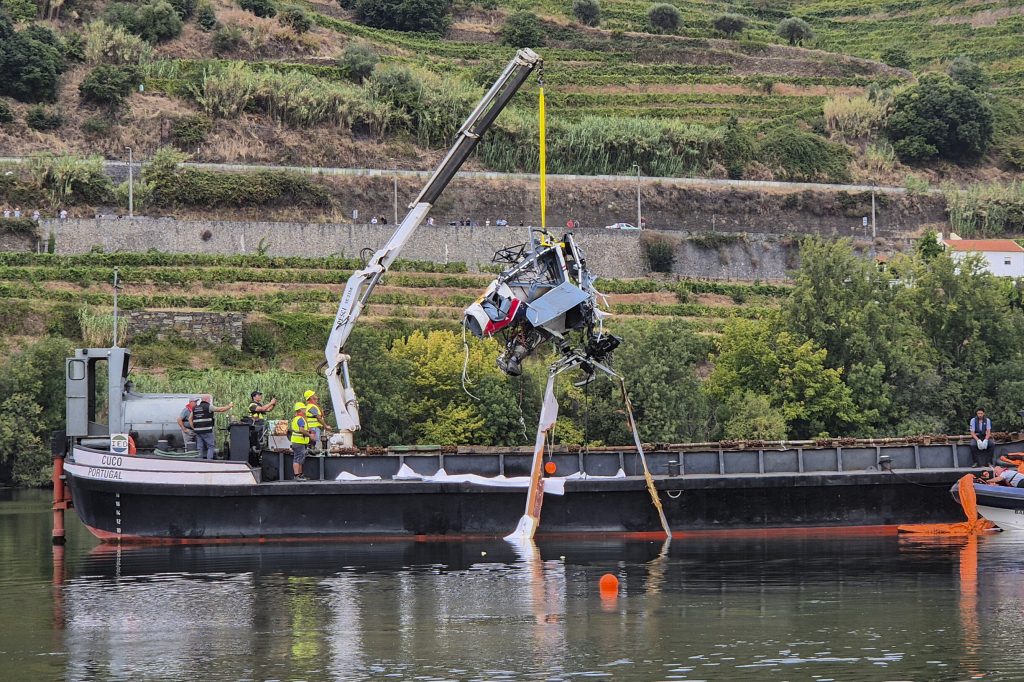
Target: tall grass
(71, 179)
(986, 210)
(113, 45)
(854, 117)
(98, 328)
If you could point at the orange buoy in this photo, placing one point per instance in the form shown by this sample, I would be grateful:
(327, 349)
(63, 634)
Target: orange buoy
(550, 468)
(609, 585)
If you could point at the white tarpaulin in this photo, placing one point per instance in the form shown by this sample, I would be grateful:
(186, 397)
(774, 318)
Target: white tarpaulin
(555, 486)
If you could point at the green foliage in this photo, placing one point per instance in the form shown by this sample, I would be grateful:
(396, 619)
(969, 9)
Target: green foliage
(986, 210)
(261, 341)
(261, 8)
(30, 63)
(112, 44)
(896, 56)
(6, 113)
(20, 11)
(854, 117)
(69, 179)
(157, 22)
(206, 16)
(357, 62)
(297, 19)
(795, 30)
(97, 126)
(928, 246)
(660, 252)
(966, 72)
(751, 416)
(800, 156)
(191, 131)
(664, 18)
(730, 24)
(522, 29)
(423, 16)
(172, 185)
(43, 118)
(32, 387)
(109, 85)
(939, 118)
(184, 8)
(587, 12)
(227, 39)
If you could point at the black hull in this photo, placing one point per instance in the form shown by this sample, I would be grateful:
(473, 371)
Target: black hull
(140, 512)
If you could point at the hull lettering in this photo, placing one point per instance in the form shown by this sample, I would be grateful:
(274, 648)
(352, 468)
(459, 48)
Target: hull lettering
(98, 472)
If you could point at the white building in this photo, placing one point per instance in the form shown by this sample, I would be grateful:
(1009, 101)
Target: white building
(1003, 257)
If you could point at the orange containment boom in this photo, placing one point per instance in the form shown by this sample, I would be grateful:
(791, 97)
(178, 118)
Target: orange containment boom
(974, 525)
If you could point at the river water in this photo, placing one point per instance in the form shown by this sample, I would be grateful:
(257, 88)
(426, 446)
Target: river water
(804, 607)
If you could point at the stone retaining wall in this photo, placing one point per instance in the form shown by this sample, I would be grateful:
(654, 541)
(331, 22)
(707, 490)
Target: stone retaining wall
(202, 327)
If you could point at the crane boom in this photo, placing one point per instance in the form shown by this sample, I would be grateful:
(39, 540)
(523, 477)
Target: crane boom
(362, 282)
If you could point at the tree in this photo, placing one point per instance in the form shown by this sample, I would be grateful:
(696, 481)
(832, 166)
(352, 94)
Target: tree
(937, 118)
(751, 416)
(357, 62)
(795, 30)
(184, 8)
(966, 72)
(587, 12)
(261, 8)
(156, 22)
(896, 56)
(730, 24)
(297, 19)
(206, 16)
(928, 246)
(109, 85)
(522, 29)
(20, 11)
(29, 68)
(664, 18)
(424, 16)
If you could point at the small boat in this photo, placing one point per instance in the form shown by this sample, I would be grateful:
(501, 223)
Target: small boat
(1002, 505)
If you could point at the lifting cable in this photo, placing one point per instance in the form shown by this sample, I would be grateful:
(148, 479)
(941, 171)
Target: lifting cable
(543, 153)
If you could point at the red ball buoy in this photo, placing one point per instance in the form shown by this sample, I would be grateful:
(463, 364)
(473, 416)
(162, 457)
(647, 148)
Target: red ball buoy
(550, 468)
(609, 585)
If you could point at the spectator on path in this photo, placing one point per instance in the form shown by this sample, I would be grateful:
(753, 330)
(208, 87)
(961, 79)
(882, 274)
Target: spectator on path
(63, 214)
(7, 213)
(487, 222)
(35, 216)
(17, 212)
(981, 439)
(373, 220)
(430, 221)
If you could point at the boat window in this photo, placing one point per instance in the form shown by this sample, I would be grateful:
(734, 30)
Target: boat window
(76, 370)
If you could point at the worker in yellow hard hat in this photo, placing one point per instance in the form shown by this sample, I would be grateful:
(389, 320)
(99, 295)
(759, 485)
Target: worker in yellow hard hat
(313, 416)
(300, 440)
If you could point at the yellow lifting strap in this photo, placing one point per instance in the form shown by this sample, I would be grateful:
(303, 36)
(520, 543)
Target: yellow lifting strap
(543, 162)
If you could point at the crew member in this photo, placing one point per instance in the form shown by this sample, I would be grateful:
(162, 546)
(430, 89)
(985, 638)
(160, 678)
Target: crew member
(981, 439)
(201, 422)
(313, 415)
(184, 419)
(1010, 477)
(300, 441)
(258, 414)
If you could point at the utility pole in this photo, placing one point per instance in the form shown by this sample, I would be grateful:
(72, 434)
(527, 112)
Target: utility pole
(396, 194)
(639, 216)
(874, 231)
(131, 193)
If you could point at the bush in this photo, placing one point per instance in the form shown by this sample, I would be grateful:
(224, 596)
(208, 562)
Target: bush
(71, 179)
(896, 56)
(190, 131)
(357, 62)
(109, 85)
(730, 24)
(156, 22)
(20, 11)
(938, 117)
(522, 29)
(41, 118)
(587, 12)
(114, 45)
(6, 113)
(425, 16)
(795, 30)
(659, 251)
(799, 156)
(260, 340)
(854, 117)
(664, 18)
(97, 126)
(261, 8)
(227, 39)
(29, 67)
(184, 8)
(966, 72)
(206, 16)
(297, 19)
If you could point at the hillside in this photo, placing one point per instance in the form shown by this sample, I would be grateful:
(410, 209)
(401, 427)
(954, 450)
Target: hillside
(263, 90)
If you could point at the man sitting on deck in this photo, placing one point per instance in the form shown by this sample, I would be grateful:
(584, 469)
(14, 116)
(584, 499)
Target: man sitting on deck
(981, 439)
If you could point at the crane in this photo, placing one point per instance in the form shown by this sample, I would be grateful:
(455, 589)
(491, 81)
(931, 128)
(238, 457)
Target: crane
(362, 282)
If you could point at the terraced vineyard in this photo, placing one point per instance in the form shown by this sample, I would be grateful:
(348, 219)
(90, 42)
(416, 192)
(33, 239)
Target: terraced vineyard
(43, 292)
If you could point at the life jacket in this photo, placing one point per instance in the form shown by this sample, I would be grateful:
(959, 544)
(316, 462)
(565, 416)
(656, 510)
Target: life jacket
(312, 417)
(202, 418)
(1015, 479)
(296, 435)
(980, 426)
(256, 416)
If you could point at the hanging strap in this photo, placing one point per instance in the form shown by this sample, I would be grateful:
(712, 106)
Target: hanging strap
(643, 459)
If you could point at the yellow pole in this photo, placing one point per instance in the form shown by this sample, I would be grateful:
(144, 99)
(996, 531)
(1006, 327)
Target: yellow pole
(543, 164)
